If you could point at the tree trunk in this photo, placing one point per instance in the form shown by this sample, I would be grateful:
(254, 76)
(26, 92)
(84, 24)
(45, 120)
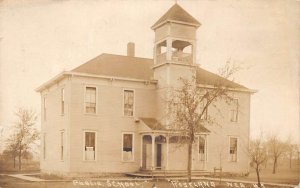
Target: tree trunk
(20, 160)
(274, 165)
(189, 168)
(258, 178)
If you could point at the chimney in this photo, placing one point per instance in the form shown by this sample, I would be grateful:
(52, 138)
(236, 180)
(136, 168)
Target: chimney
(130, 49)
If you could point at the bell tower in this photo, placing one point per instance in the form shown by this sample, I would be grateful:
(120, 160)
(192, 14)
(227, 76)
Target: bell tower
(174, 47)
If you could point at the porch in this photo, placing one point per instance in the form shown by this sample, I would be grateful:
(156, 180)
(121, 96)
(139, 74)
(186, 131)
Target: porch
(165, 152)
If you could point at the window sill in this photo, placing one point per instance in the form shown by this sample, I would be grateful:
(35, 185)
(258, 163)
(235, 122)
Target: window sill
(86, 161)
(89, 114)
(128, 161)
(128, 116)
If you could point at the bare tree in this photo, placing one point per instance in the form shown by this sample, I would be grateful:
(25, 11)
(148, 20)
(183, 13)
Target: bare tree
(291, 152)
(12, 148)
(258, 156)
(188, 106)
(25, 132)
(276, 148)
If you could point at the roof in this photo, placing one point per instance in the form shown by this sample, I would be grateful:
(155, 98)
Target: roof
(135, 68)
(141, 68)
(178, 14)
(207, 78)
(118, 66)
(155, 125)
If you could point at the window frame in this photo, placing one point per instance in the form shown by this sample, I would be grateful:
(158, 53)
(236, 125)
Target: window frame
(62, 145)
(205, 147)
(62, 101)
(84, 100)
(83, 145)
(205, 117)
(44, 146)
(122, 145)
(234, 108)
(237, 146)
(123, 104)
(44, 108)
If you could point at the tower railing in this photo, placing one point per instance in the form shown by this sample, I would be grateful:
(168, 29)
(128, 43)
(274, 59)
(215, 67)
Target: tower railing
(178, 57)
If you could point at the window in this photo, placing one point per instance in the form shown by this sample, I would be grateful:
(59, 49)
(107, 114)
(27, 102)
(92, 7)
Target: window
(62, 94)
(127, 147)
(89, 146)
(62, 145)
(202, 105)
(202, 144)
(233, 149)
(234, 110)
(90, 100)
(44, 146)
(128, 102)
(45, 108)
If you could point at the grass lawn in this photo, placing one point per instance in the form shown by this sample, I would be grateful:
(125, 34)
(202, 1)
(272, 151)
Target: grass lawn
(10, 182)
(284, 173)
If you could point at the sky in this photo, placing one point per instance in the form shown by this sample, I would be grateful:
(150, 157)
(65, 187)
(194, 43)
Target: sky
(41, 38)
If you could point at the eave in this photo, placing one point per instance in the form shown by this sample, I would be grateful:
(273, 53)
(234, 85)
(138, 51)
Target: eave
(252, 91)
(62, 75)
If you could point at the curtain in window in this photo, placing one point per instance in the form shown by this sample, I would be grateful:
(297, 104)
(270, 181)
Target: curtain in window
(128, 102)
(234, 110)
(127, 142)
(89, 146)
(127, 147)
(90, 99)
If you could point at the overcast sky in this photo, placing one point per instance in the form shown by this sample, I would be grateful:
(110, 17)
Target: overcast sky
(41, 38)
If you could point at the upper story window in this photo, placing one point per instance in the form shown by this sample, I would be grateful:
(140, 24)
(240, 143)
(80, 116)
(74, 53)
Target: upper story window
(89, 146)
(202, 106)
(45, 108)
(233, 149)
(90, 100)
(128, 102)
(234, 110)
(62, 100)
(127, 148)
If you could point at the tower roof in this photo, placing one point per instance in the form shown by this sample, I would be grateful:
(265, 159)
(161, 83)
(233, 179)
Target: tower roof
(177, 14)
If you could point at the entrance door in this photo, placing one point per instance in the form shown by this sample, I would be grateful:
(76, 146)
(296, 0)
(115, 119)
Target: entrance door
(158, 156)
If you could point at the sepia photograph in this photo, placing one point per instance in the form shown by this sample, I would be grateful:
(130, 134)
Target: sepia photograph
(149, 93)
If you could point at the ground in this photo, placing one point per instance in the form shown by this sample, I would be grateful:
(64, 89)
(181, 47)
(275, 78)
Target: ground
(285, 175)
